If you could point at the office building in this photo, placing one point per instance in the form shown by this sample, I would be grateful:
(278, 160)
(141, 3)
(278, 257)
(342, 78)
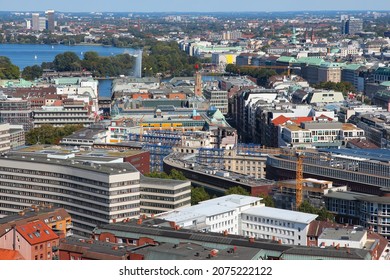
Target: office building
(4, 137)
(91, 193)
(16, 111)
(351, 26)
(158, 196)
(50, 20)
(35, 21)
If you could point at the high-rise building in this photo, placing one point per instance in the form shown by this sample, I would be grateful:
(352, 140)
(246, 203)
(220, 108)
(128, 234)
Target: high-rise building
(50, 20)
(351, 26)
(35, 22)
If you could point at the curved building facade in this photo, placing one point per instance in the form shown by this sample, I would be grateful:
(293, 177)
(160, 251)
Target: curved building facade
(361, 174)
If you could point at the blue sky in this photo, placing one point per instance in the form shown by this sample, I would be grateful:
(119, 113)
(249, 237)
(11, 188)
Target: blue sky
(190, 5)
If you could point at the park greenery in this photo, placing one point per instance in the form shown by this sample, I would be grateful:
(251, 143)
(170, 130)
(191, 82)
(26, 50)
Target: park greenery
(166, 59)
(99, 66)
(48, 134)
(261, 74)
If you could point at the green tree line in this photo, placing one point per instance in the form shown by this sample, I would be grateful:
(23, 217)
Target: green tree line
(344, 87)
(99, 66)
(167, 58)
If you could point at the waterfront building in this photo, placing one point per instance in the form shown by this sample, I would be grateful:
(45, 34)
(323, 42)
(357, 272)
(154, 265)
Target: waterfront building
(50, 20)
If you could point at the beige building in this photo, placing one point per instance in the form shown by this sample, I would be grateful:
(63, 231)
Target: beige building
(5, 144)
(329, 72)
(158, 196)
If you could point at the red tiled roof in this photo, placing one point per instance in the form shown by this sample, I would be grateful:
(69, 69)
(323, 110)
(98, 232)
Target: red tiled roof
(36, 232)
(10, 255)
(298, 120)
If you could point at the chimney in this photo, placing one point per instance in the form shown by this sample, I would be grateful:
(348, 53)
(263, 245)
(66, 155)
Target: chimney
(225, 233)
(21, 213)
(139, 222)
(115, 248)
(251, 240)
(338, 247)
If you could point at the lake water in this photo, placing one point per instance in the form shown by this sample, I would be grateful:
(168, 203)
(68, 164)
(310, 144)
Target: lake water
(28, 55)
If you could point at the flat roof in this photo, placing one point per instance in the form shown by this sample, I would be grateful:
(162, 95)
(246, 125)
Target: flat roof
(372, 154)
(109, 168)
(196, 211)
(343, 234)
(281, 214)
(346, 195)
(232, 200)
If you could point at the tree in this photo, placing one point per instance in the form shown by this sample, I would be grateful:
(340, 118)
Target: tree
(177, 175)
(7, 69)
(48, 134)
(67, 61)
(237, 190)
(267, 200)
(323, 213)
(198, 195)
(32, 72)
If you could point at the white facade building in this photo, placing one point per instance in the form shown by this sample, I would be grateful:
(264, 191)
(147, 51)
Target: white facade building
(244, 215)
(221, 214)
(284, 226)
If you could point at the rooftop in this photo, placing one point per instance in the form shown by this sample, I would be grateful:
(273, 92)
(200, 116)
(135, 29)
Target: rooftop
(193, 251)
(93, 249)
(343, 234)
(281, 214)
(109, 168)
(36, 232)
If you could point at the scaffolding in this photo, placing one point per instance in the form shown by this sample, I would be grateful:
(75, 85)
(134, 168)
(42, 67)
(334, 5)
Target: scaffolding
(157, 154)
(212, 157)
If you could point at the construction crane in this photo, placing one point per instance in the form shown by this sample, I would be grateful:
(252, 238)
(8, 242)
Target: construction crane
(299, 181)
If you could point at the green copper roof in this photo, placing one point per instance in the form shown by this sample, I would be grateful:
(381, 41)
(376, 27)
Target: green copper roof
(352, 66)
(287, 59)
(330, 64)
(310, 60)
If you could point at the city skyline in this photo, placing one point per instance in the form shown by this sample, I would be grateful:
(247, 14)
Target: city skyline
(199, 6)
